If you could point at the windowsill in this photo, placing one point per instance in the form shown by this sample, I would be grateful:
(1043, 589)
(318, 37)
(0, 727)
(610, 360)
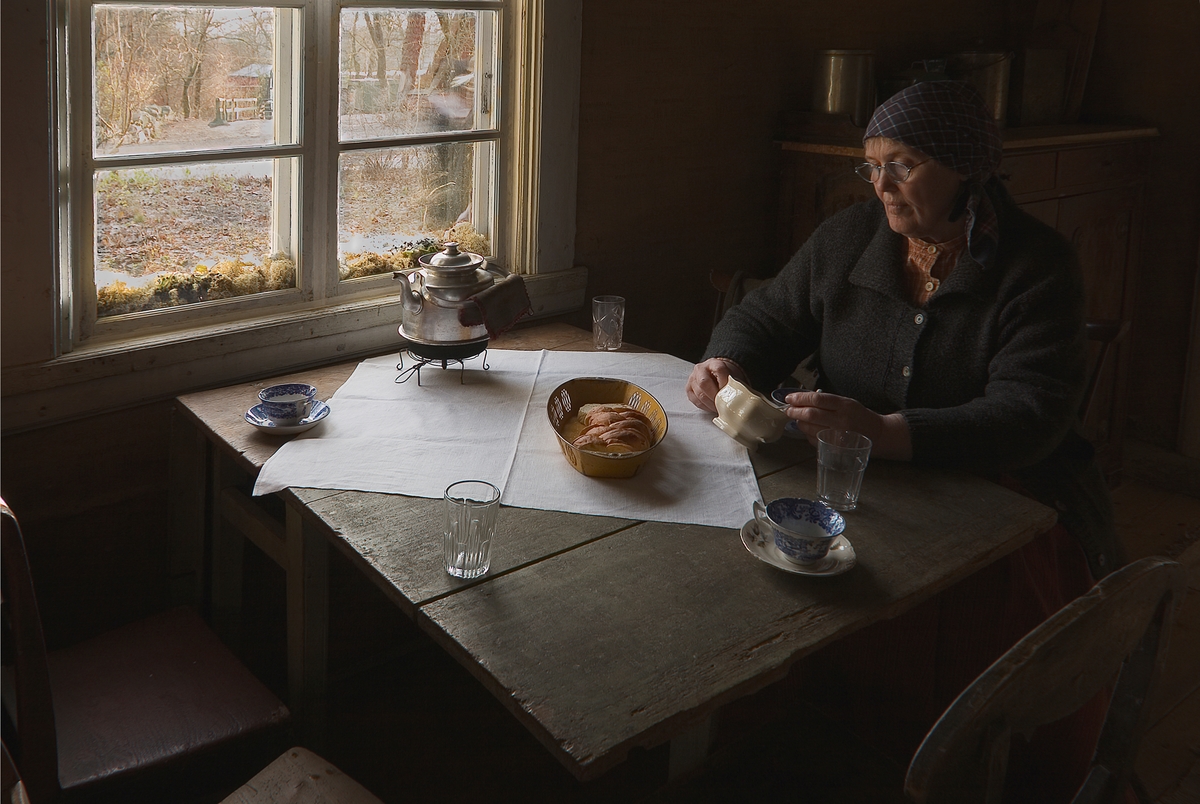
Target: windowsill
(107, 377)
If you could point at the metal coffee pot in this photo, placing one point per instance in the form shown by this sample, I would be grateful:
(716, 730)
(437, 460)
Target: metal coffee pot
(433, 294)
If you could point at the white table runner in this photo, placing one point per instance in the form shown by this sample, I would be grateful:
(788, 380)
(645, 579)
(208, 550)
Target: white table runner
(401, 438)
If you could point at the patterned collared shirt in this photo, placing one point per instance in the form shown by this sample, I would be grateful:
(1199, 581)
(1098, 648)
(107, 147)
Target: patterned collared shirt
(928, 264)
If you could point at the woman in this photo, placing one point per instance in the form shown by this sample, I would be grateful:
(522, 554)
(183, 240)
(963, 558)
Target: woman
(948, 327)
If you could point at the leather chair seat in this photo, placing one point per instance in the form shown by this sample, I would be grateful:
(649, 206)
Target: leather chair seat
(123, 702)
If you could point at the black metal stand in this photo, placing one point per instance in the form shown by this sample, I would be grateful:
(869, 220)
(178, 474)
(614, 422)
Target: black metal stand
(420, 361)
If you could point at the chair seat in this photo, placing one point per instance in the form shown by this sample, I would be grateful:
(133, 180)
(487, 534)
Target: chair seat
(145, 693)
(299, 776)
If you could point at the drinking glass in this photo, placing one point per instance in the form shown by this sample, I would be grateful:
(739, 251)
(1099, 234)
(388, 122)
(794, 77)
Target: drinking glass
(842, 457)
(608, 322)
(471, 507)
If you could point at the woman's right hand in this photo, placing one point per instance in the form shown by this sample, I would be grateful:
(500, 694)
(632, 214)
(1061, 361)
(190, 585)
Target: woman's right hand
(708, 378)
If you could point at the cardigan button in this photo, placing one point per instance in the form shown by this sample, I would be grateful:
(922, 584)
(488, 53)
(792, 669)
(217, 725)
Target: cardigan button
(919, 319)
(906, 371)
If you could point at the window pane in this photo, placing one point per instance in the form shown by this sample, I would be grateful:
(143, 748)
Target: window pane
(174, 78)
(415, 72)
(394, 201)
(168, 236)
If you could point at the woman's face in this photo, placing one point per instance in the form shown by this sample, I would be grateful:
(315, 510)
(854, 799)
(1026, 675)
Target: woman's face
(919, 206)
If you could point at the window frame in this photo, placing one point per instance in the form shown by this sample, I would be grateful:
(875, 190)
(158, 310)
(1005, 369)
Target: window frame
(47, 380)
(305, 166)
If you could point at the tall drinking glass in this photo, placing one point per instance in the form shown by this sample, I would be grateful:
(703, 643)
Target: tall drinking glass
(842, 457)
(471, 507)
(608, 322)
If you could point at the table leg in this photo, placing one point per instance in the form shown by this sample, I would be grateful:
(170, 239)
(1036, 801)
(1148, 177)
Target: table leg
(188, 468)
(307, 621)
(689, 750)
(227, 554)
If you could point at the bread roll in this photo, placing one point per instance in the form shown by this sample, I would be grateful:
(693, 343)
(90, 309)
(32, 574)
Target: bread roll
(614, 429)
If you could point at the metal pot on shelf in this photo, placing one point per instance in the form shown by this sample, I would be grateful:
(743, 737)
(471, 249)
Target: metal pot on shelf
(844, 83)
(988, 73)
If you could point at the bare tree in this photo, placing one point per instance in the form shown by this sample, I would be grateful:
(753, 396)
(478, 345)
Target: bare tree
(197, 26)
(127, 76)
(410, 51)
(376, 28)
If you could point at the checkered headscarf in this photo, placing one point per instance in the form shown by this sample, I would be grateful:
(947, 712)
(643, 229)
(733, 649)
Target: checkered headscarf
(947, 120)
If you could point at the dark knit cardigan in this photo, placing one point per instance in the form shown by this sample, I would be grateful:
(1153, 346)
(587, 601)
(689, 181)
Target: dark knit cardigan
(988, 374)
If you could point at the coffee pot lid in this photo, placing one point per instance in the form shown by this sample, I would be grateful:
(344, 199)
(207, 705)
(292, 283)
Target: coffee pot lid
(450, 257)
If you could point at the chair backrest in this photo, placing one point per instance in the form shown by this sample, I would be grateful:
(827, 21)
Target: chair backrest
(37, 747)
(1121, 625)
(1106, 333)
(731, 287)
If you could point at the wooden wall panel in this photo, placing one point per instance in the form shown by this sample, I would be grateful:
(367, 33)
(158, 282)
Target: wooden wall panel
(91, 496)
(26, 299)
(679, 107)
(679, 104)
(1146, 67)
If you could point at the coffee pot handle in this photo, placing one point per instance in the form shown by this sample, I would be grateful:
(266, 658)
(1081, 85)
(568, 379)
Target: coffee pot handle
(493, 268)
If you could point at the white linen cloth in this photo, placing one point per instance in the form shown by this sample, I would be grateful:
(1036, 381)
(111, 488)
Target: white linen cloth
(401, 438)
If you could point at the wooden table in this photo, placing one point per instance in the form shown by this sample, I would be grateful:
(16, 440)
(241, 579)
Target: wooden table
(601, 634)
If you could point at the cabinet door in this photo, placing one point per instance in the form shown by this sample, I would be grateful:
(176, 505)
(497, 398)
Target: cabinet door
(1101, 225)
(813, 187)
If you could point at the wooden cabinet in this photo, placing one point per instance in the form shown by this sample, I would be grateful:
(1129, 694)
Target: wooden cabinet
(1085, 181)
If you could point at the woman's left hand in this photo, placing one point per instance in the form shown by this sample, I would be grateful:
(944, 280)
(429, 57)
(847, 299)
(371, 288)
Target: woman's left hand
(814, 411)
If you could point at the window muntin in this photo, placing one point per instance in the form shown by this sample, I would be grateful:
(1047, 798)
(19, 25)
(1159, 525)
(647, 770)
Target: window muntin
(448, 123)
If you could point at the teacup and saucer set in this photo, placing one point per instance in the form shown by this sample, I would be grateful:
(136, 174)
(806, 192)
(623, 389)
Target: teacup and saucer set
(799, 536)
(287, 409)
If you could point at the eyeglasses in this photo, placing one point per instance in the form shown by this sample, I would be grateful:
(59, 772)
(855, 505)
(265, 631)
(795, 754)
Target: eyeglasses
(896, 171)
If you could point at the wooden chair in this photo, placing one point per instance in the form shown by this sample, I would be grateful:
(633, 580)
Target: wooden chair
(12, 789)
(1106, 333)
(299, 776)
(131, 712)
(731, 287)
(1122, 624)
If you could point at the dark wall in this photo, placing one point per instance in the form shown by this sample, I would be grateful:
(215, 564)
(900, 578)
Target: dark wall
(680, 104)
(1147, 68)
(91, 497)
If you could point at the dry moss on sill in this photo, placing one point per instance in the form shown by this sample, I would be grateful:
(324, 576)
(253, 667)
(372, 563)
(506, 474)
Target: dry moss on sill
(404, 256)
(231, 278)
(225, 280)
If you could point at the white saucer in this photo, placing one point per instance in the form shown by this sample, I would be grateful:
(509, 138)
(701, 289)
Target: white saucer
(258, 418)
(840, 559)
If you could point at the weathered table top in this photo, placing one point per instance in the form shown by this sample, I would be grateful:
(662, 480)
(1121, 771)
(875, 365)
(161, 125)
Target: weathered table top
(603, 634)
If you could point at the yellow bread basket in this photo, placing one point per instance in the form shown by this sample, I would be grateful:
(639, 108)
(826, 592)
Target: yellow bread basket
(566, 400)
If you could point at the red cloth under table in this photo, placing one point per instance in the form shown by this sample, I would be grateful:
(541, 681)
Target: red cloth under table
(891, 681)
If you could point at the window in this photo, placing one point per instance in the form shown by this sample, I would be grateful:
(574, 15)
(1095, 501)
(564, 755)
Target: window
(221, 173)
(59, 364)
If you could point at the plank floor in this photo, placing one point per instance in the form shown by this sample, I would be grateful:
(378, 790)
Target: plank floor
(411, 725)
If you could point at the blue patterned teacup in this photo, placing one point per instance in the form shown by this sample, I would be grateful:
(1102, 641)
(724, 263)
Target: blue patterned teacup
(803, 529)
(289, 403)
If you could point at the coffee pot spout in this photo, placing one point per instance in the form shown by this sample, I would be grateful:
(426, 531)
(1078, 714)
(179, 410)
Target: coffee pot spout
(409, 298)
